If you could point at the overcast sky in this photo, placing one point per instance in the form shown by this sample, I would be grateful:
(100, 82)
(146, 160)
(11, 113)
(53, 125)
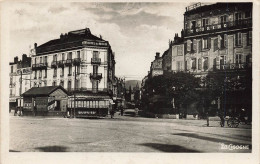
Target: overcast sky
(136, 31)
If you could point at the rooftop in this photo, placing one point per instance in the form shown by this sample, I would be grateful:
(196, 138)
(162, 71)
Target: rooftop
(42, 91)
(69, 41)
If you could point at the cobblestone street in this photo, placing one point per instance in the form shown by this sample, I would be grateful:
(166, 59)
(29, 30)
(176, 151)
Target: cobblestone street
(123, 134)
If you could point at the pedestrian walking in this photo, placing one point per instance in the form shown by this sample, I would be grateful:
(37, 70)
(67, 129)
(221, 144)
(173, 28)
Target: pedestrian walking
(222, 119)
(122, 110)
(112, 112)
(207, 118)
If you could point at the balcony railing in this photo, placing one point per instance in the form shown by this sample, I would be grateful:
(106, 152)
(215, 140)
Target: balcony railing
(96, 76)
(69, 74)
(244, 23)
(231, 66)
(76, 61)
(54, 64)
(61, 63)
(95, 61)
(68, 62)
(39, 66)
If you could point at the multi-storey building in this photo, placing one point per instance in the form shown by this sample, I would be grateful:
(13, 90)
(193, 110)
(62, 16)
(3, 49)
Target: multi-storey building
(156, 67)
(81, 63)
(20, 79)
(218, 37)
(173, 58)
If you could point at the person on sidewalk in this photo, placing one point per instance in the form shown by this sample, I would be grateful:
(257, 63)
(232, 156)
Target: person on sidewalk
(207, 118)
(122, 110)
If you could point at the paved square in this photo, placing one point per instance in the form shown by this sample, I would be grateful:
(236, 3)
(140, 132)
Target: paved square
(124, 134)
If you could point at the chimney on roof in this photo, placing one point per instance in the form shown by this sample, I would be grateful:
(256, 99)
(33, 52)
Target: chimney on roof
(16, 60)
(157, 55)
(182, 33)
(100, 36)
(24, 57)
(35, 45)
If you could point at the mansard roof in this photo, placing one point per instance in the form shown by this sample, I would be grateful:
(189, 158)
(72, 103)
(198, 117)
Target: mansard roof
(70, 41)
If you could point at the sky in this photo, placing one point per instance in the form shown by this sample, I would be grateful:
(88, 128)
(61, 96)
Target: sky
(135, 31)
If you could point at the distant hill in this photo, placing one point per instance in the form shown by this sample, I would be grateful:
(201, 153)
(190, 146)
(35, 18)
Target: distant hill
(132, 83)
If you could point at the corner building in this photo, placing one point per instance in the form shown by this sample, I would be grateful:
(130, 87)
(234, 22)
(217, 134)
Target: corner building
(218, 37)
(81, 63)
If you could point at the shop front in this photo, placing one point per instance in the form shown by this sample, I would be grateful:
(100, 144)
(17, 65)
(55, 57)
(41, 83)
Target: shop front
(45, 101)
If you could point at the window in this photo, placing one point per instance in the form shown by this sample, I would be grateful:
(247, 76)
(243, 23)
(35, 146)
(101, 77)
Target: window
(62, 72)
(76, 84)
(40, 74)
(180, 50)
(94, 86)
(223, 60)
(78, 54)
(55, 57)
(12, 69)
(238, 39)
(205, 22)
(215, 44)
(69, 55)
(54, 83)
(194, 45)
(45, 59)
(62, 83)
(193, 24)
(70, 70)
(63, 56)
(78, 69)
(223, 19)
(179, 65)
(199, 64)
(95, 54)
(205, 64)
(205, 43)
(225, 40)
(69, 85)
(189, 45)
(193, 64)
(95, 69)
(45, 73)
(35, 74)
(55, 72)
(238, 17)
(238, 59)
(40, 59)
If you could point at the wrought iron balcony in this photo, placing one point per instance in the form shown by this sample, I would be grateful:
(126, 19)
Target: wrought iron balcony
(96, 76)
(76, 61)
(40, 66)
(95, 61)
(68, 62)
(54, 64)
(61, 63)
(244, 23)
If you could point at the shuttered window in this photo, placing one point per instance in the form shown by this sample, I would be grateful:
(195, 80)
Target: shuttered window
(215, 44)
(199, 64)
(195, 45)
(188, 45)
(238, 39)
(225, 40)
(200, 45)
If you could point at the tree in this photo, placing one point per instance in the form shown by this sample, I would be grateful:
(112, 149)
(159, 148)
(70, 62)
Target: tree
(180, 86)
